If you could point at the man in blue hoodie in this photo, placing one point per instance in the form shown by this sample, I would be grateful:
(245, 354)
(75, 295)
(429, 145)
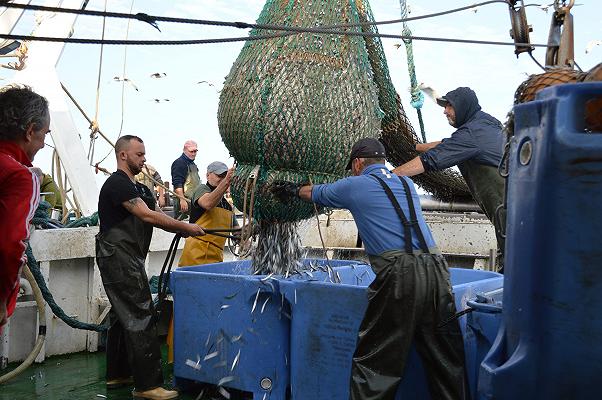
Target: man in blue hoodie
(476, 147)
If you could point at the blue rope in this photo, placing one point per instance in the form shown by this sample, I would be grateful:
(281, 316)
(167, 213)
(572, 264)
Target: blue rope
(417, 97)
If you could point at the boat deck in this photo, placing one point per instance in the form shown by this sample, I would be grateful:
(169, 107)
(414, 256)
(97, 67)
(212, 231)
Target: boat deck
(77, 376)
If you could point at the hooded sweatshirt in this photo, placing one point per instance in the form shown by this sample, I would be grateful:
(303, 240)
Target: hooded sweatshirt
(478, 136)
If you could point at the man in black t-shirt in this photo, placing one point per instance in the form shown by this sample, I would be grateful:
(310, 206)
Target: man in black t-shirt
(128, 212)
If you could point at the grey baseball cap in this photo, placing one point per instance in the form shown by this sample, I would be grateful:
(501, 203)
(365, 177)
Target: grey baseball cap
(217, 167)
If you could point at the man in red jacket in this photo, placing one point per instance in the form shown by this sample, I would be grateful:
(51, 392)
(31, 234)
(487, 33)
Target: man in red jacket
(24, 123)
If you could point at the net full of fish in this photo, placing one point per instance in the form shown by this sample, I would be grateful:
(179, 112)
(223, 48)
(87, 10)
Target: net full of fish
(294, 105)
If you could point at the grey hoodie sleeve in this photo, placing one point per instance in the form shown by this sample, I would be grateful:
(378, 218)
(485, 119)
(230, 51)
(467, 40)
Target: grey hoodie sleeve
(460, 147)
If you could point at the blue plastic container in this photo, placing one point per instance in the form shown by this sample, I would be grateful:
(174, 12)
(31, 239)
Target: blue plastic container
(551, 343)
(324, 326)
(223, 314)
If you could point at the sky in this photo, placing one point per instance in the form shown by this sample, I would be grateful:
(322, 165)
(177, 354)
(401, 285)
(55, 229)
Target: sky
(494, 72)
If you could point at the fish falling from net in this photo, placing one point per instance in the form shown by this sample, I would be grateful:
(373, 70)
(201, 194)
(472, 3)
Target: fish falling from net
(279, 250)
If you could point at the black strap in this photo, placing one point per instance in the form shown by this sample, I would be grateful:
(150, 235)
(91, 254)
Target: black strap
(407, 225)
(414, 218)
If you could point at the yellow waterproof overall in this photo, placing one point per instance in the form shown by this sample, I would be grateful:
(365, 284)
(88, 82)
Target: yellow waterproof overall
(203, 250)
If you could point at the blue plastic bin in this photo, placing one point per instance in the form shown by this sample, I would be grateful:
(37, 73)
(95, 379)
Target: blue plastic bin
(324, 326)
(223, 314)
(551, 343)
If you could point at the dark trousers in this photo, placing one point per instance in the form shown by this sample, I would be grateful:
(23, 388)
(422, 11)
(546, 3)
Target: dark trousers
(133, 347)
(409, 298)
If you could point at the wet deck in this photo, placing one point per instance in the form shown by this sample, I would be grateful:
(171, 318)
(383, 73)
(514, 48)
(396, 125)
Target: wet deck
(74, 377)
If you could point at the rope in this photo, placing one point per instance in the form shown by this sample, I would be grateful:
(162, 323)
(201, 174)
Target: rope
(81, 110)
(243, 25)
(154, 19)
(246, 234)
(34, 266)
(417, 95)
(254, 38)
(94, 124)
(123, 75)
(329, 267)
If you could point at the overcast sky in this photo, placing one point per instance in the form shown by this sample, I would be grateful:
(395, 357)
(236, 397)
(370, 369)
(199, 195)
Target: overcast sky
(493, 72)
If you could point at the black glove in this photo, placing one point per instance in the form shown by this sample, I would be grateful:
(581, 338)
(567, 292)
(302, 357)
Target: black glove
(285, 191)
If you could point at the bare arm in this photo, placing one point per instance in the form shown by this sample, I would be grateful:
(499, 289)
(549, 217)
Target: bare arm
(411, 168)
(212, 199)
(305, 192)
(183, 200)
(161, 192)
(139, 208)
(422, 147)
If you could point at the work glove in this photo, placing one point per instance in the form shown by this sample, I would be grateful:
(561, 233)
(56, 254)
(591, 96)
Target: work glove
(285, 191)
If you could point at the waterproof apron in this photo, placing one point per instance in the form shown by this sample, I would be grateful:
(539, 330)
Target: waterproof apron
(192, 182)
(132, 344)
(209, 248)
(407, 302)
(203, 250)
(487, 187)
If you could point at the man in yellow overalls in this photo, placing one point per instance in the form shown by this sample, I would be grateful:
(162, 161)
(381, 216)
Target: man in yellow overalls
(210, 210)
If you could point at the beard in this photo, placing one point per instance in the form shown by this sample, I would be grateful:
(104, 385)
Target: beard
(135, 168)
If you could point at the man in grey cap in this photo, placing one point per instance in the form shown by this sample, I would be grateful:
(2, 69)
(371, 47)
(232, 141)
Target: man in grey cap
(476, 148)
(210, 210)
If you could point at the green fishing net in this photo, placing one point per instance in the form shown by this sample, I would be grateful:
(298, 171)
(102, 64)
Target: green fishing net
(293, 106)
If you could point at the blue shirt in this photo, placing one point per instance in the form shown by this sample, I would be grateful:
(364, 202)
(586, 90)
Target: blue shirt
(378, 224)
(179, 171)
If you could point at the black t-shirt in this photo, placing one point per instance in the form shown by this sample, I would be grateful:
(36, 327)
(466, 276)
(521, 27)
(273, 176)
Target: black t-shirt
(117, 189)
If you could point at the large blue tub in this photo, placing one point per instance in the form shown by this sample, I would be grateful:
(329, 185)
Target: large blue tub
(325, 321)
(290, 337)
(221, 311)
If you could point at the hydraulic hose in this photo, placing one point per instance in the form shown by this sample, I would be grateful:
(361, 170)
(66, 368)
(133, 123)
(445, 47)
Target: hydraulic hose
(37, 293)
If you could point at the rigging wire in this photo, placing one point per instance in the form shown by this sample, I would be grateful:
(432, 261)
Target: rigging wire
(288, 30)
(123, 75)
(153, 19)
(94, 124)
(258, 37)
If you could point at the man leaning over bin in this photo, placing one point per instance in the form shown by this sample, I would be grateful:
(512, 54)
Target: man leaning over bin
(410, 298)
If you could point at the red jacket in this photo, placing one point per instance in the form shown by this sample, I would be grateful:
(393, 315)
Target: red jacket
(19, 198)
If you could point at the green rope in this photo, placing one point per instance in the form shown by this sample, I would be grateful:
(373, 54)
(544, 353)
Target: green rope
(42, 219)
(34, 266)
(417, 95)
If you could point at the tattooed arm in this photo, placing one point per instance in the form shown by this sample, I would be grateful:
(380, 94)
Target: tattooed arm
(139, 208)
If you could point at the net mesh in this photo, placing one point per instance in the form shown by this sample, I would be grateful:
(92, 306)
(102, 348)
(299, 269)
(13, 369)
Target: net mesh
(294, 106)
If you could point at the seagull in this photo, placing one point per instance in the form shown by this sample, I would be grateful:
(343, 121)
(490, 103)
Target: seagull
(120, 79)
(429, 91)
(159, 100)
(158, 75)
(590, 46)
(208, 83)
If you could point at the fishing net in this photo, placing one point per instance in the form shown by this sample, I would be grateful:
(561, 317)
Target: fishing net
(294, 105)
(398, 135)
(527, 91)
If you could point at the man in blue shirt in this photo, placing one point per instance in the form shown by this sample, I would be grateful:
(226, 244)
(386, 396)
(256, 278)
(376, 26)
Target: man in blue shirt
(185, 177)
(476, 148)
(410, 298)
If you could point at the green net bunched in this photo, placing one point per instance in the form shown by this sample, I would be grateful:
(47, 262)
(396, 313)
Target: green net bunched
(398, 135)
(294, 105)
